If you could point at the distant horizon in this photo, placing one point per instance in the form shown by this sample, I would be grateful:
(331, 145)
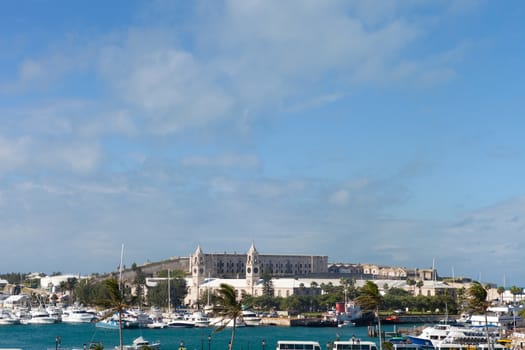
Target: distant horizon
(126, 267)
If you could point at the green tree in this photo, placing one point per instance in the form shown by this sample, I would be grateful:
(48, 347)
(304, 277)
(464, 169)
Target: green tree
(158, 295)
(370, 299)
(419, 285)
(501, 290)
(228, 308)
(461, 294)
(139, 282)
(477, 303)
(265, 302)
(69, 285)
(349, 289)
(267, 284)
(292, 304)
(411, 282)
(114, 302)
(515, 291)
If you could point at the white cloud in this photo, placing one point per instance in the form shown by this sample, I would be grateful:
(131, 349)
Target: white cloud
(31, 70)
(225, 160)
(340, 197)
(13, 153)
(251, 57)
(168, 85)
(33, 155)
(248, 58)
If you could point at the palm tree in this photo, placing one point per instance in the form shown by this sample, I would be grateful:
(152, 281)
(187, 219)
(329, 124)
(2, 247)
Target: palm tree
(228, 308)
(114, 302)
(411, 282)
(420, 284)
(370, 299)
(477, 302)
(515, 291)
(501, 290)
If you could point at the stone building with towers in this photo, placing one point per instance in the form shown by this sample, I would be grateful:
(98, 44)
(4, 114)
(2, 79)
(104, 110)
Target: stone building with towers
(245, 270)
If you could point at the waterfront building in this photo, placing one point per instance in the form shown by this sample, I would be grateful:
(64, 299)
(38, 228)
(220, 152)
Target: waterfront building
(244, 271)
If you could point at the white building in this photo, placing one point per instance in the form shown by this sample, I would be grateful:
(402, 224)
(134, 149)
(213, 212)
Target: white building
(244, 271)
(52, 283)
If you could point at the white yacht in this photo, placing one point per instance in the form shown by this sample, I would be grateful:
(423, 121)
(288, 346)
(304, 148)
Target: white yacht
(178, 321)
(226, 322)
(77, 314)
(199, 319)
(39, 316)
(250, 318)
(157, 324)
(7, 318)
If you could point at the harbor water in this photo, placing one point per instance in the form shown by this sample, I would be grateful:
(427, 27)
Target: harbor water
(68, 336)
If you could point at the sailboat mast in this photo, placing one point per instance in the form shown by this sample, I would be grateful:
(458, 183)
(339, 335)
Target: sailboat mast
(169, 293)
(120, 268)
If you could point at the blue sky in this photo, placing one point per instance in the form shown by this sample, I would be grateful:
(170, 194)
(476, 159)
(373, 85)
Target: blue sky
(386, 132)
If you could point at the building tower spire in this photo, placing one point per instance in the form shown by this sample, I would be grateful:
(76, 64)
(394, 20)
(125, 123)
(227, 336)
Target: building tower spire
(197, 269)
(253, 269)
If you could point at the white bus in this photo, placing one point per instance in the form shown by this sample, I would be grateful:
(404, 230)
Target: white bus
(354, 344)
(298, 345)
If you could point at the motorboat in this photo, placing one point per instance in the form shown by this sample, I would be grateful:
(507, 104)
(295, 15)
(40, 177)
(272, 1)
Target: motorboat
(250, 318)
(140, 344)
(345, 323)
(7, 318)
(179, 321)
(111, 323)
(226, 322)
(136, 318)
(39, 316)
(77, 315)
(157, 324)
(55, 312)
(199, 319)
(108, 323)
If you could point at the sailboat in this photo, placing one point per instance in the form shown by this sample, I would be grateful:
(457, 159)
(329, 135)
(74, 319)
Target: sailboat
(176, 320)
(115, 320)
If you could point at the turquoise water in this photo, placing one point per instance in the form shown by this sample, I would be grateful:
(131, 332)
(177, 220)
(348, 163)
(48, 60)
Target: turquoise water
(40, 337)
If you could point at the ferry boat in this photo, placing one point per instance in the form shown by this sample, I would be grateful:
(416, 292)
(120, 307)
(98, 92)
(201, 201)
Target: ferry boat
(454, 334)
